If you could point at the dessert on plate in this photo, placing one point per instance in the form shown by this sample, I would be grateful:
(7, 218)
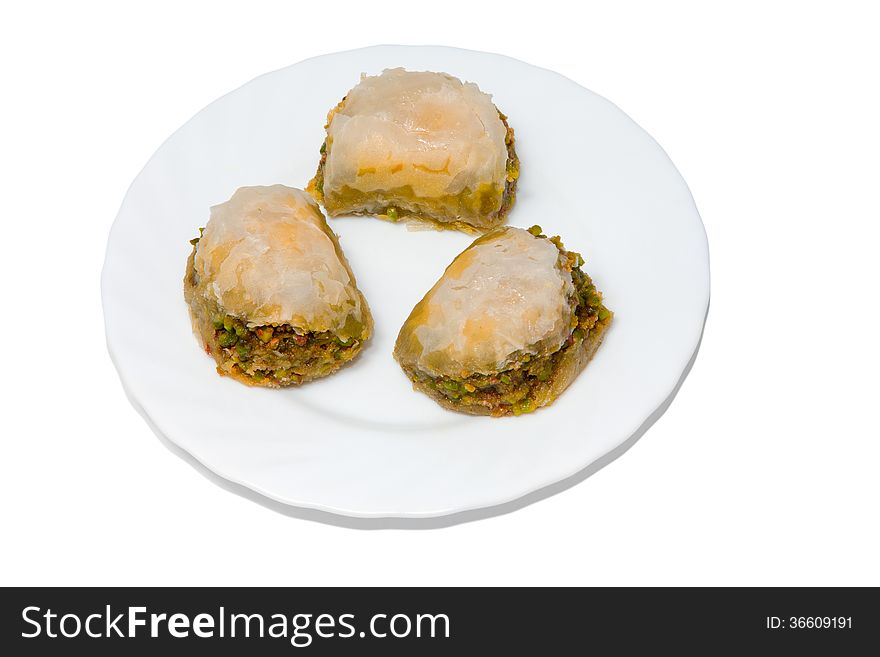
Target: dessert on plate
(418, 145)
(270, 293)
(510, 324)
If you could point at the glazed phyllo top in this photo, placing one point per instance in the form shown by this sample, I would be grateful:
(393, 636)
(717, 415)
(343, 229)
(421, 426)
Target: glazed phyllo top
(267, 255)
(506, 295)
(426, 131)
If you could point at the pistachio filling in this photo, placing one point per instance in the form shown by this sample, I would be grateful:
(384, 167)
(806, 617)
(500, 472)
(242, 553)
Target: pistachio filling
(517, 389)
(276, 354)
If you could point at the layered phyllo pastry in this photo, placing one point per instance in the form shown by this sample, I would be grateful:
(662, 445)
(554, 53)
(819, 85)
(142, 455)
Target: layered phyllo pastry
(509, 325)
(423, 145)
(270, 293)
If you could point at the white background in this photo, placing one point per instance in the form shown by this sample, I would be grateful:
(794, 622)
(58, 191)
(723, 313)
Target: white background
(763, 471)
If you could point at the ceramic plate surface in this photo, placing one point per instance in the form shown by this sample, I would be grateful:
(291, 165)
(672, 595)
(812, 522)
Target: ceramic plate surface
(362, 442)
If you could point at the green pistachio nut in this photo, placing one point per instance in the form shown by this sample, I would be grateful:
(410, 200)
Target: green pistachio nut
(243, 350)
(227, 339)
(264, 333)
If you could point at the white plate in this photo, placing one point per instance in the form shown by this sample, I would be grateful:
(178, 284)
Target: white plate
(362, 442)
